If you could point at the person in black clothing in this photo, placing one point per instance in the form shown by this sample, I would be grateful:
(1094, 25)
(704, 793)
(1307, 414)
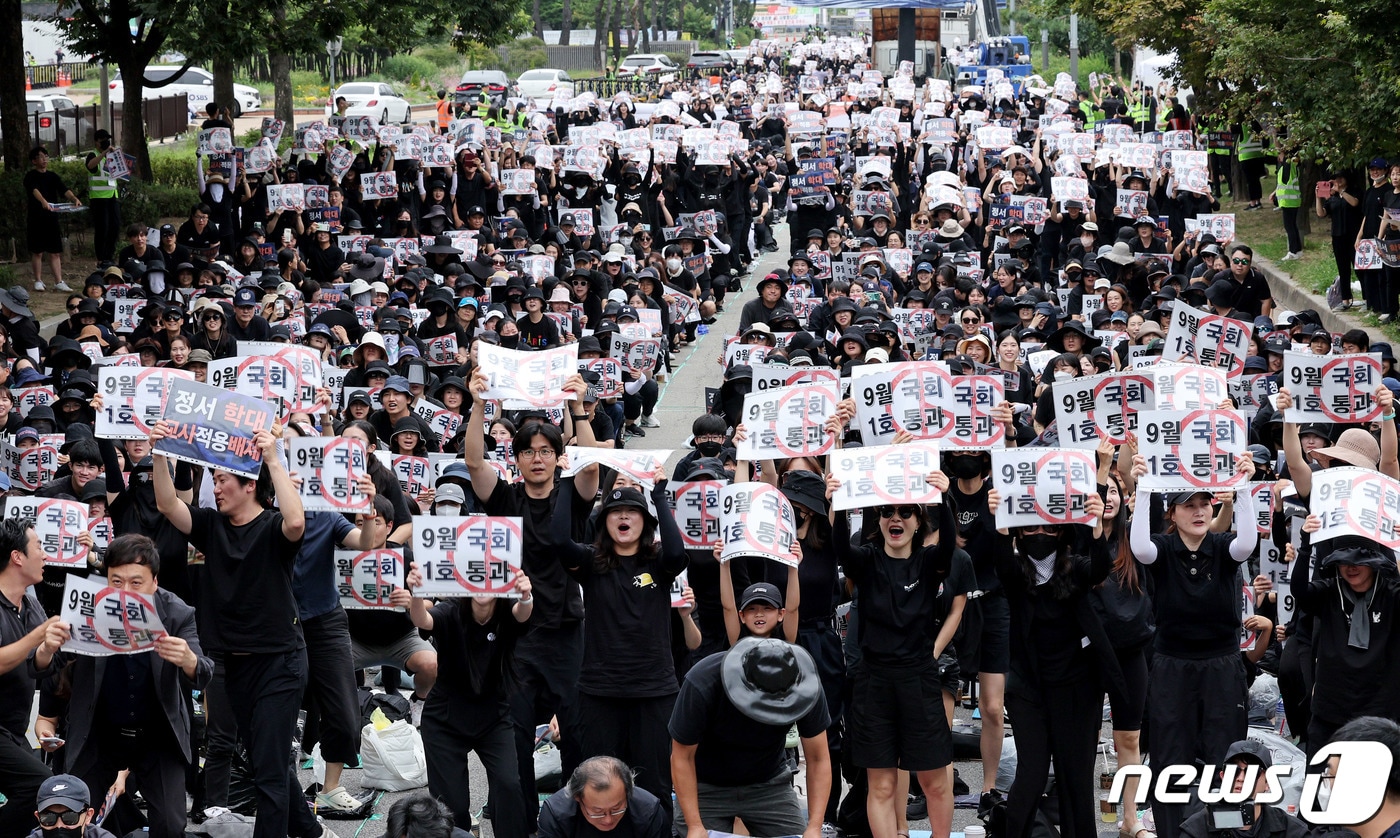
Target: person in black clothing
(467, 709)
(200, 235)
(1344, 209)
(1372, 209)
(536, 330)
(550, 656)
(627, 686)
(1196, 698)
(324, 259)
(1269, 821)
(896, 718)
(601, 798)
(23, 627)
(248, 615)
(1354, 599)
(247, 323)
(1054, 688)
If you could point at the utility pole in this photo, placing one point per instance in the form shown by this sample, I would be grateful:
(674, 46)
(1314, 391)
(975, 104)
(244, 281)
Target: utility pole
(1045, 50)
(1074, 46)
(1011, 14)
(333, 47)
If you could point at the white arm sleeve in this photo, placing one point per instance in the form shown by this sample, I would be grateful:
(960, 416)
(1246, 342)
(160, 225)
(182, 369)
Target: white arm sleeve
(1140, 534)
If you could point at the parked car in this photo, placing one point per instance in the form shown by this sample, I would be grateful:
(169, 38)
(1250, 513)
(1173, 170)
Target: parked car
(703, 62)
(646, 64)
(195, 82)
(494, 83)
(375, 99)
(53, 117)
(544, 84)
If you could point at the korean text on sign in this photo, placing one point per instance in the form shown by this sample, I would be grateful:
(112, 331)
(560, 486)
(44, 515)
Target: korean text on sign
(788, 422)
(57, 523)
(1332, 388)
(1187, 386)
(534, 378)
(106, 621)
(214, 427)
(696, 509)
(1044, 486)
(1191, 449)
(475, 556)
(132, 399)
(1101, 407)
(1356, 501)
(885, 474)
(756, 519)
(367, 580)
(329, 468)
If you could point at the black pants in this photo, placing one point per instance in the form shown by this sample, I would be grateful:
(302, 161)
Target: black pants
(157, 771)
(452, 729)
(1060, 723)
(1295, 683)
(21, 774)
(1198, 709)
(1390, 292)
(220, 738)
(331, 686)
(635, 731)
(1254, 171)
(824, 644)
(265, 693)
(547, 665)
(1344, 254)
(1372, 283)
(642, 402)
(1290, 226)
(106, 215)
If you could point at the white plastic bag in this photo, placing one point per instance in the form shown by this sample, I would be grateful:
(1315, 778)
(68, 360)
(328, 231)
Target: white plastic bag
(393, 758)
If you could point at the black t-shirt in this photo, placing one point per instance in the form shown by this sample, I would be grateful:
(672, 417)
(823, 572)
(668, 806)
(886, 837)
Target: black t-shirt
(473, 657)
(541, 335)
(246, 602)
(49, 184)
(257, 329)
(977, 525)
(17, 685)
(134, 511)
(961, 581)
(1346, 219)
(733, 749)
(557, 597)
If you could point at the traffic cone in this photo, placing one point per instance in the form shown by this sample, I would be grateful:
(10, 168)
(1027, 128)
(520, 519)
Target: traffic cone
(63, 79)
(28, 85)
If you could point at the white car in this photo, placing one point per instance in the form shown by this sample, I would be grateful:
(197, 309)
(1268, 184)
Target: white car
(646, 64)
(196, 82)
(54, 117)
(370, 98)
(545, 84)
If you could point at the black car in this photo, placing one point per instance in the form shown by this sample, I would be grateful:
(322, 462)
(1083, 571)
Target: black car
(494, 83)
(709, 61)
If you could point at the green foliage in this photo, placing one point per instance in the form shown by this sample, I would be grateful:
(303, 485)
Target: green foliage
(150, 202)
(442, 56)
(520, 55)
(410, 69)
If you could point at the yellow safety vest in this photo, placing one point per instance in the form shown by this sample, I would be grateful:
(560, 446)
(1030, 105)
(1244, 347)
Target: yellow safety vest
(1251, 147)
(101, 184)
(1288, 192)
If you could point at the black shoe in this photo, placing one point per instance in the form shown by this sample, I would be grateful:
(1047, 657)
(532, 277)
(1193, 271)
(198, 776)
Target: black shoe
(917, 809)
(960, 787)
(634, 430)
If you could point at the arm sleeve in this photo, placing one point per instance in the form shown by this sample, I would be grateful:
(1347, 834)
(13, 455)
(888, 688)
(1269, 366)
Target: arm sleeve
(573, 556)
(1246, 532)
(854, 562)
(673, 556)
(1140, 532)
(184, 476)
(1309, 595)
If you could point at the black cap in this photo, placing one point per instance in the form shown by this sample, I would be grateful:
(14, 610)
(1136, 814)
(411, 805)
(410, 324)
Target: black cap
(761, 592)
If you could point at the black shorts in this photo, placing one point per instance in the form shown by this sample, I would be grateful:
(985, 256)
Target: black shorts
(985, 644)
(949, 673)
(1128, 708)
(896, 718)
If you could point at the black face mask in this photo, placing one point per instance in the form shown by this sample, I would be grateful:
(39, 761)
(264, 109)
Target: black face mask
(709, 449)
(1037, 546)
(965, 467)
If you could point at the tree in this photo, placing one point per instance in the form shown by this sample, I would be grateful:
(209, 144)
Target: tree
(129, 34)
(14, 118)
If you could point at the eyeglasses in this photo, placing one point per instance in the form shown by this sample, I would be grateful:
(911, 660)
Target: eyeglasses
(901, 511)
(644, 237)
(536, 454)
(498, 261)
(1041, 528)
(72, 308)
(710, 438)
(1239, 261)
(970, 321)
(68, 818)
(600, 814)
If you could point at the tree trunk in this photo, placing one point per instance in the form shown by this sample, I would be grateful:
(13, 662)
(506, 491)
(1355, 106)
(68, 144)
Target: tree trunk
(614, 22)
(281, 68)
(222, 68)
(600, 29)
(566, 22)
(535, 17)
(13, 114)
(133, 133)
(643, 22)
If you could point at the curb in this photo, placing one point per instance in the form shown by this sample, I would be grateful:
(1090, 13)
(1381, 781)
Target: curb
(1288, 294)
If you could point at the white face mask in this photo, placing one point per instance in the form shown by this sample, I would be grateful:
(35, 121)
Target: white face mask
(673, 265)
(1063, 375)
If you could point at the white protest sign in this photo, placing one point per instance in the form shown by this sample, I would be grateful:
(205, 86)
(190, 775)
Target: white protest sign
(108, 621)
(775, 376)
(467, 556)
(1103, 406)
(1187, 386)
(696, 509)
(1044, 486)
(788, 422)
(57, 523)
(756, 519)
(132, 399)
(329, 468)
(923, 398)
(126, 315)
(1332, 388)
(1189, 450)
(881, 475)
(1211, 340)
(534, 378)
(1356, 501)
(638, 464)
(367, 580)
(1252, 390)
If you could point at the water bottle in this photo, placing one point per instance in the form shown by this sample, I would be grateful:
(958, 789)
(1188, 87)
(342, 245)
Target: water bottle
(702, 329)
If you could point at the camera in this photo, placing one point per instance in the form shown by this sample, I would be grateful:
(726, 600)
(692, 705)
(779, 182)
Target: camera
(1228, 817)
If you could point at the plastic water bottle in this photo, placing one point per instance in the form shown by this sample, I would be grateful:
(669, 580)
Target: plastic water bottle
(702, 329)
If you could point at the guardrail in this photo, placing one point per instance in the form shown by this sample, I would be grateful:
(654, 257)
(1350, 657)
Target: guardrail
(70, 130)
(55, 75)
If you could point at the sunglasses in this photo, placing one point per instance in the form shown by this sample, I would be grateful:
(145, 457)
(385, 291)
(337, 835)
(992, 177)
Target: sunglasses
(644, 237)
(173, 318)
(967, 321)
(68, 818)
(901, 511)
(1239, 261)
(72, 308)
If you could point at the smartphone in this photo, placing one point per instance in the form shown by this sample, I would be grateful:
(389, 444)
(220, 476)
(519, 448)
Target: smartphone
(51, 741)
(1324, 189)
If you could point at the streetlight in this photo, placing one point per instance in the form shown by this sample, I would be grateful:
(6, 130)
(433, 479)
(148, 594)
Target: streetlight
(333, 50)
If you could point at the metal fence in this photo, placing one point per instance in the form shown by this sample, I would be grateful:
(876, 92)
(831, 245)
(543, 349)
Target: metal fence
(350, 65)
(47, 75)
(70, 130)
(608, 88)
(585, 56)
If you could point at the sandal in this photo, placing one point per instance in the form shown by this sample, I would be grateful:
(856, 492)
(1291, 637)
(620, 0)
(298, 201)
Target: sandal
(1140, 832)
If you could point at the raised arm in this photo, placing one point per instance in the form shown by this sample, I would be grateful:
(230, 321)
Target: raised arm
(288, 498)
(1140, 533)
(576, 558)
(474, 441)
(168, 503)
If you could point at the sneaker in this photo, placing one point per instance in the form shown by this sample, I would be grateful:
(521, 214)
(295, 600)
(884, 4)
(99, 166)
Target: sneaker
(39, 285)
(917, 808)
(1290, 256)
(831, 830)
(63, 286)
(634, 430)
(339, 800)
(415, 710)
(649, 421)
(1252, 207)
(1384, 318)
(1342, 305)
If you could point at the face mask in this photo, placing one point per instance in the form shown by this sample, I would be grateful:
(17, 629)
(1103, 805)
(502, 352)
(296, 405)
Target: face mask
(1063, 375)
(62, 831)
(1324, 794)
(1036, 546)
(965, 467)
(673, 265)
(709, 449)
(625, 241)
